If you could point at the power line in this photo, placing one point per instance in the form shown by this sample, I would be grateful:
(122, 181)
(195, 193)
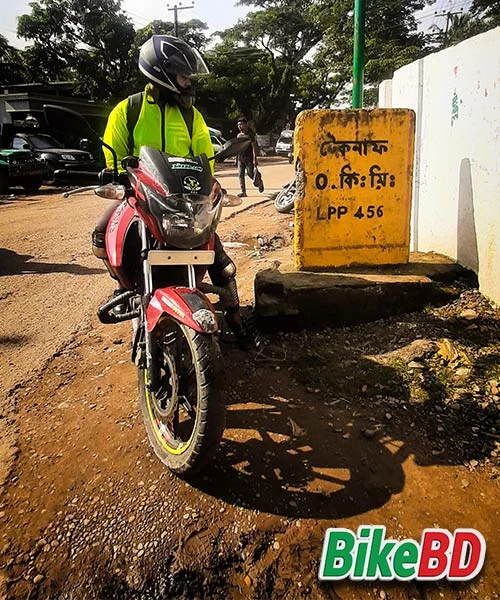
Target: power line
(137, 17)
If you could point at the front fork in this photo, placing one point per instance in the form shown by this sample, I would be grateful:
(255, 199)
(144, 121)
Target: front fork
(151, 345)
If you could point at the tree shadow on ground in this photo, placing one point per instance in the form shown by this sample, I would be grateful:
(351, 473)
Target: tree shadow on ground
(325, 432)
(12, 263)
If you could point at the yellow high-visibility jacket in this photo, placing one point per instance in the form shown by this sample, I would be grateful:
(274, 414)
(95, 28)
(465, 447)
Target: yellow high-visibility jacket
(164, 129)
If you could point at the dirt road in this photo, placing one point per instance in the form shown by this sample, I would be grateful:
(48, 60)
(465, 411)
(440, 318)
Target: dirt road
(392, 423)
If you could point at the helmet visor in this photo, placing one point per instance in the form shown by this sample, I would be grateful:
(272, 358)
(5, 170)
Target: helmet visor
(201, 66)
(180, 59)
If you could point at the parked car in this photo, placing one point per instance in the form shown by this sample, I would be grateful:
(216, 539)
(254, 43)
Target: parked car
(284, 145)
(20, 167)
(54, 154)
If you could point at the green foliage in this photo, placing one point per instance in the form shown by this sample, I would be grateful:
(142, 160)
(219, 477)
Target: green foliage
(309, 44)
(488, 11)
(11, 66)
(284, 57)
(84, 40)
(459, 26)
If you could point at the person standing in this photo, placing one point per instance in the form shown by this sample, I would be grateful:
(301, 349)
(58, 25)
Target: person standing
(247, 161)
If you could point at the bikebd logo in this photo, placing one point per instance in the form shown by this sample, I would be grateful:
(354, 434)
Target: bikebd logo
(368, 556)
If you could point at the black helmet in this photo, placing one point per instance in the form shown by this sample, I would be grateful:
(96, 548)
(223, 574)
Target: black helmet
(163, 58)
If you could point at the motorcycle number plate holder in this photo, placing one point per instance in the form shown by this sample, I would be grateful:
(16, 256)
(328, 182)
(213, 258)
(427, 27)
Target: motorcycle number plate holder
(160, 258)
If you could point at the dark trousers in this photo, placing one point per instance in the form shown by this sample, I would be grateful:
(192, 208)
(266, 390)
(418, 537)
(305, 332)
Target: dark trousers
(245, 168)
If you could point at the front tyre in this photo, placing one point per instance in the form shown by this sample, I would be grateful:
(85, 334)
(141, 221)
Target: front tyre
(185, 419)
(32, 184)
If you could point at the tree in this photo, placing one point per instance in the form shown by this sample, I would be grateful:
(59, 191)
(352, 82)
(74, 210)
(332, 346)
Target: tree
(460, 28)
(260, 57)
(84, 40)
(482, 16)
(391, 41)
(488, 11)
(11, 67)
(306, 49)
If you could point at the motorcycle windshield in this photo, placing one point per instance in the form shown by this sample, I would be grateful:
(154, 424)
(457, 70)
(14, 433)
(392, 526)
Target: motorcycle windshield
(183, 197)
(176, 174)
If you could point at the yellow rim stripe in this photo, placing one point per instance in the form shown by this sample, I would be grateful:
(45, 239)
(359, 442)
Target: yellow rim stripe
(160, 438)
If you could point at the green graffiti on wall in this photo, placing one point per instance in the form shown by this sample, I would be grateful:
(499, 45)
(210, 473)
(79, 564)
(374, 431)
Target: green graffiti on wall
(454, 107)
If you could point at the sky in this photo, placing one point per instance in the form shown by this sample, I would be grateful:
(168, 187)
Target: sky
(217, 14)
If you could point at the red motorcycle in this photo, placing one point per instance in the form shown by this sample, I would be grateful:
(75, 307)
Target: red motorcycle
(160, 243)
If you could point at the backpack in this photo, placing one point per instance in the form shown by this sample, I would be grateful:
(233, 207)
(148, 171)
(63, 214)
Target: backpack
(133, 110)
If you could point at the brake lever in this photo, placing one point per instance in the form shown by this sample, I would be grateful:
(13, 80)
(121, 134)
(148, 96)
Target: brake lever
(87, 188)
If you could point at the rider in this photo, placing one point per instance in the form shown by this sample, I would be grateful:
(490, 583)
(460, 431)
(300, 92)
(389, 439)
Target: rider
(169, 121)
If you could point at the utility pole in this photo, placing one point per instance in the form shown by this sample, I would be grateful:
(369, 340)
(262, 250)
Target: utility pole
(448, 16)
(176, 8)
(358, 67)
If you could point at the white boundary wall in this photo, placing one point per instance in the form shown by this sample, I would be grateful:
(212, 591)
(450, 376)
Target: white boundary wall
(456, 195)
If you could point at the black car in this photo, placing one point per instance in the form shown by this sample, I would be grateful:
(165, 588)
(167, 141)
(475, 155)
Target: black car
(54, 154)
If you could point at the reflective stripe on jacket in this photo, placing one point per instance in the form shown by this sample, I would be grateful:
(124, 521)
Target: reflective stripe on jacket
(148, 131)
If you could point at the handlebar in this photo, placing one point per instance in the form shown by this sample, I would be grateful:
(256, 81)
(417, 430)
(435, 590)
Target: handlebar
(89, 177)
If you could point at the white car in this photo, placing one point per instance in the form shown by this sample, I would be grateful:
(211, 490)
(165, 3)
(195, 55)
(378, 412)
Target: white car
(284, 145)
(217, 142)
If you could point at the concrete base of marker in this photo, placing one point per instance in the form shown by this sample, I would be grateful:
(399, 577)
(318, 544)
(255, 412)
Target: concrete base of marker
(293, 299)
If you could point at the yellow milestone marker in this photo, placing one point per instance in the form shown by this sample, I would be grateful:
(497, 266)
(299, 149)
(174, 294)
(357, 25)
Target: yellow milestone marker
(358, 167)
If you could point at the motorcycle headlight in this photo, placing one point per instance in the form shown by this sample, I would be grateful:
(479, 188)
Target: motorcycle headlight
(206, 320)
(186, 220)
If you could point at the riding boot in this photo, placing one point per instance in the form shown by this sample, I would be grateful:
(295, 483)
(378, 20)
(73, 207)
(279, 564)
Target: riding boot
(244, 329)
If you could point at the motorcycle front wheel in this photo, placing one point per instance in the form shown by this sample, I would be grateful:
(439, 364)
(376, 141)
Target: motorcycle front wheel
(185, 418)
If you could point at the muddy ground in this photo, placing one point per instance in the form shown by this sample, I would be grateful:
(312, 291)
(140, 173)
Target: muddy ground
(393, 422)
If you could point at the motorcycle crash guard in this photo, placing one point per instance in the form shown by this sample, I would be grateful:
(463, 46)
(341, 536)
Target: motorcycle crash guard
(184, 305)
(116, 232)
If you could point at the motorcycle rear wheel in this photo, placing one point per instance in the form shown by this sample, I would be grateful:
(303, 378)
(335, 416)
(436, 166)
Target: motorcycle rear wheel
(185, 419)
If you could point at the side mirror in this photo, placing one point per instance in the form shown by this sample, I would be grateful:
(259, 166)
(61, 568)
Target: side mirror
(26, 147)
(84, 144)
(233, 147)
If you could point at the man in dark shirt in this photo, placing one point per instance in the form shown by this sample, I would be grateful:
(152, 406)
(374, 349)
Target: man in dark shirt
(247, 160)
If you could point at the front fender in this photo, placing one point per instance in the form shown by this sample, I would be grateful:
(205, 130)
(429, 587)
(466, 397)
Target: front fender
(184, 305)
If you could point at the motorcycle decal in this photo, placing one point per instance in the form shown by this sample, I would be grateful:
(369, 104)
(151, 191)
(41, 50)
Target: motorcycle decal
(177, 164)
(116, 233)
(191, 184)
(189, 167)
(173, 307)
(172, 301)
